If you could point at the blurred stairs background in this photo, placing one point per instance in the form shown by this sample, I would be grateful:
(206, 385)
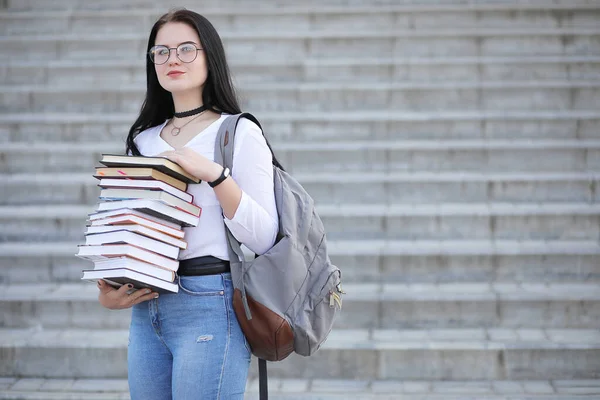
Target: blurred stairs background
(453, 148)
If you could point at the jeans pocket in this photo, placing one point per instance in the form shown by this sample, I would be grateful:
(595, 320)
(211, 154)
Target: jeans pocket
(202, 285)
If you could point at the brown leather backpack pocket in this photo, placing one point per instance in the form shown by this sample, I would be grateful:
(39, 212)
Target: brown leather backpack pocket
(270, 336)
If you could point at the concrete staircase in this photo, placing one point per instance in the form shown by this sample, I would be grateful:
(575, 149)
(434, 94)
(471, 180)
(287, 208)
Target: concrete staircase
(453, 148)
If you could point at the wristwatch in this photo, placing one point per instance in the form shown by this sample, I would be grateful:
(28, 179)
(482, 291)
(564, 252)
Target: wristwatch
(220, 179)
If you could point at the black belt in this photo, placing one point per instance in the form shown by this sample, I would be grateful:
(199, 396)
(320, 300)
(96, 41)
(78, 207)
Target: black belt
(206, 265)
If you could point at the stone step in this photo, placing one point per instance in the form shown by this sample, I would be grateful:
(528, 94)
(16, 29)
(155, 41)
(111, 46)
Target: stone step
(315, 97)
(465, 221)
(306, 34)
(378, 306)
(376, 247)
(541, 15)
(443, 354)
(321, 126)
(341, 188)
(304, 11)
(300, 88)
(374, 221)
(314, 5)
(346, 156)
(375, 261)
(297, 45)
(112, 73)
(341, 145)
(12, 388)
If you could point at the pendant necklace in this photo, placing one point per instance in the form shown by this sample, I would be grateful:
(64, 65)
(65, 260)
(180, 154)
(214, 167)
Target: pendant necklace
(176, 129)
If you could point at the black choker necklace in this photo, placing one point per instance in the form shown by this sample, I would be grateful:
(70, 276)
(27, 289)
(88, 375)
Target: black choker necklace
(191, 112)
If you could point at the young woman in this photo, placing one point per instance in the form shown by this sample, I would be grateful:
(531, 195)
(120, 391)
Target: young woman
(188, 345)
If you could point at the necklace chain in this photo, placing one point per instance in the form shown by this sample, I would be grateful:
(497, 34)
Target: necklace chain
(176, 129)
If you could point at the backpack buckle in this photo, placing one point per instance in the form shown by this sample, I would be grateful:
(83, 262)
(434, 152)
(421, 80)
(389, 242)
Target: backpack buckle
(334, 299)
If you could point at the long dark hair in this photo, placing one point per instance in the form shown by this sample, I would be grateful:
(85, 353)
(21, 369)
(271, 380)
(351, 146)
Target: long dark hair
(219, 93)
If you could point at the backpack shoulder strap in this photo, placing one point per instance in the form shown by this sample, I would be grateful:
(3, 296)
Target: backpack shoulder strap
(224, 144)
(224, 147)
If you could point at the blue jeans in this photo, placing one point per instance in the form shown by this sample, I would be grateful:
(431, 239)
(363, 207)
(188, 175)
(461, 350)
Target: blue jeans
(188, 345)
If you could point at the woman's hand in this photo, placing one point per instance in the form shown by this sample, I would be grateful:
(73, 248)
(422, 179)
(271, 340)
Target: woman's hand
(194, 164)
(116, 299)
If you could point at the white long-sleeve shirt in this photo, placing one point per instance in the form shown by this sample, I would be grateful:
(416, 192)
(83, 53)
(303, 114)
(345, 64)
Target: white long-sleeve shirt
(255, 222)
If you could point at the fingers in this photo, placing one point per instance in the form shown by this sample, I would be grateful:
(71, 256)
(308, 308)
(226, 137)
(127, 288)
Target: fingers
(172, 155)
(124, 288)
(110, 297)
(142, 295)
(104, 287)
(116, 299)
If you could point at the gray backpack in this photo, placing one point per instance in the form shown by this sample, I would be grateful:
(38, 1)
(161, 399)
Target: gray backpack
(286, 299)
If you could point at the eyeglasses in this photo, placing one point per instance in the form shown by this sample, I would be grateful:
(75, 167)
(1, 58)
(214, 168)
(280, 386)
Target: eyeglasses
(186, 52)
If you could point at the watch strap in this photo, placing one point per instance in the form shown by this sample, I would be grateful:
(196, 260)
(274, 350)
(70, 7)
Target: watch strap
(224, 175)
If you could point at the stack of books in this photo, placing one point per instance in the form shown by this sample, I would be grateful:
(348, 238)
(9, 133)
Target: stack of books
(136, 232)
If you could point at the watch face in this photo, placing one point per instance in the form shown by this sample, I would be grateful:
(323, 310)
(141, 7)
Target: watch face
(226, 172)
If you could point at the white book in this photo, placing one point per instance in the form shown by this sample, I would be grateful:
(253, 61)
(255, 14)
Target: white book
(118, 277)
(152, 207)
(106, 251)
(136, 265)
(158, 195)
(142, 230)
(123, 211)
(135, 239)
(145, 184)
(130, 219)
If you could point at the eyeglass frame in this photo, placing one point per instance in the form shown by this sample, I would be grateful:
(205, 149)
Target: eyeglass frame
(176, 52)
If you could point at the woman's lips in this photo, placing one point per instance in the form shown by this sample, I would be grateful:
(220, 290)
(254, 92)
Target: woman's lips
(175, 73)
